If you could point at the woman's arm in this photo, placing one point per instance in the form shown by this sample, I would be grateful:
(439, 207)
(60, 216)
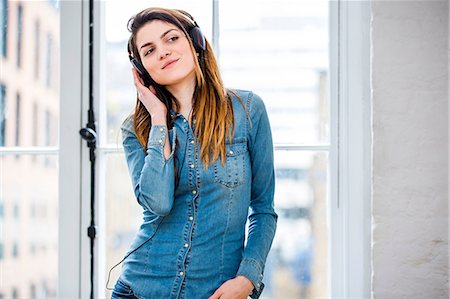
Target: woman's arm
(262, 217)
(152, 172)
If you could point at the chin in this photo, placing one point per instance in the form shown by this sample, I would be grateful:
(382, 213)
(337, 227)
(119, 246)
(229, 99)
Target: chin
(174, 79)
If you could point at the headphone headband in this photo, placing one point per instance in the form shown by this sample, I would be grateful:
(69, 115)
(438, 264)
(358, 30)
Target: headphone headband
(196, 35)
(189, 16)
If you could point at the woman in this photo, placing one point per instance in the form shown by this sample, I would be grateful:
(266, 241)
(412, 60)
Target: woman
(199, 157)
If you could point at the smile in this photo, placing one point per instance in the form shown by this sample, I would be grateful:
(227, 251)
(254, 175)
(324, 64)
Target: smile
(169, 63)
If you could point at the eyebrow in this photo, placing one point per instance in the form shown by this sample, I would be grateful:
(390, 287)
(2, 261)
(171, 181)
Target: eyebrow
(162, 36)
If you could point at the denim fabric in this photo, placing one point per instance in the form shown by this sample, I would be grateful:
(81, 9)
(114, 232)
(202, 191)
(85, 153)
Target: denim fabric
(193, 229)
(122, 291)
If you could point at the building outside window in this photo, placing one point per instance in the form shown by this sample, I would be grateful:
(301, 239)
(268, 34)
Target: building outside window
(22, 134)
(37, 44)
(19, 35)
(48, 68)
(18, 116)
(2, 114)
(4, 28)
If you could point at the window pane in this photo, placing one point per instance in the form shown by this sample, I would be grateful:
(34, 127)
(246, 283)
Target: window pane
(120, 90)
(3, 29)
(124, 215)
(270, 40)
(29, 225)
(280, 51)
(32, 42)
(29, 116)
(2, 114)
(297, 264)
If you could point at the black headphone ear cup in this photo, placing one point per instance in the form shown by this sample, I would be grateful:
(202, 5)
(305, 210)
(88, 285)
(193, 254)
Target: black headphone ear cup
(198, 39)
(142, 71)
(138, 66)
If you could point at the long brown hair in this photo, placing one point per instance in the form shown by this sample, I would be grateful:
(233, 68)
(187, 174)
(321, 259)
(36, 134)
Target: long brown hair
(212, 111)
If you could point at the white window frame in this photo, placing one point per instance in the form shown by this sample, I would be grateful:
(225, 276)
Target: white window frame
(350, 154)
(349, 180)
(74, 165)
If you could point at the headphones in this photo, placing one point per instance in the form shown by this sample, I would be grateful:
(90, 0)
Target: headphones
(196, 36)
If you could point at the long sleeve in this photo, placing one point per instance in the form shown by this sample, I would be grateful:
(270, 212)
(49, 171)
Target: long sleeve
(152, 175)
(262, 217)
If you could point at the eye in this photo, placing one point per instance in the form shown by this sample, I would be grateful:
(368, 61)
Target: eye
(149, 51)
(173, 38)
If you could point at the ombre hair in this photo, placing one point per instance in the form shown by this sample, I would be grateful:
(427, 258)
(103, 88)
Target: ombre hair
(212, 107)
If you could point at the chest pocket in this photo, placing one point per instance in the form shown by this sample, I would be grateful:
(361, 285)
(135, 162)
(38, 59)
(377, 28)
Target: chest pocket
(232, 174)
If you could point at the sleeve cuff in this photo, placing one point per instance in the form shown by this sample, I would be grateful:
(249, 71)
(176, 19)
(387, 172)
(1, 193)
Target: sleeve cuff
(251, 269)
(157, 138)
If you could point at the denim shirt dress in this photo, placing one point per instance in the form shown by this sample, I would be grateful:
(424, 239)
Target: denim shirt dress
(193, 235)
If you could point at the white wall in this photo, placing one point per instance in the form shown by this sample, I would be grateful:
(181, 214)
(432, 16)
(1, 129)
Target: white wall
(410, 149)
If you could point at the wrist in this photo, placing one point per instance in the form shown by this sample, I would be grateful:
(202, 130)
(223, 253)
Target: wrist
(158, 119)
(247, 282)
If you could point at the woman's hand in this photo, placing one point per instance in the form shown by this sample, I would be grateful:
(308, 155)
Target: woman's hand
(147, 96)
(239, 287)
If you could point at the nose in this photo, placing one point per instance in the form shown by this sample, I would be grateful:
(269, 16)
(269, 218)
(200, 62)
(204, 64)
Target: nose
(164, 52)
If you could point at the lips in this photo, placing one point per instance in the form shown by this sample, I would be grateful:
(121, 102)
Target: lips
(169, 63)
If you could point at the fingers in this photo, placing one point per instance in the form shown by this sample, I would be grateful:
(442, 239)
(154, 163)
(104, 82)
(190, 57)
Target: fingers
(216, 294)
(137, 79)
(152, 89)
(139, 83)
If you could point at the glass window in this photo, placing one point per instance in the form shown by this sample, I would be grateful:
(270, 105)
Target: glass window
(37, 48)
(4, 28)
(32, 291)
(120, 98)
(47, 126)
(35, 124)
(15, 249)
(24, 183)
(2, 114)
(54, 3)
(18, 116)
(48, 68)
(279, 51)
(19, 34)
(16, 211)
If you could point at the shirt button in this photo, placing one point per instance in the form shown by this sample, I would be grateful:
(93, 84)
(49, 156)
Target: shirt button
(192, 141)
(186, 244)
(231, 152)
(192, 165)
(160, 140)
(194, 192)
(191, 218)
(181, 273)
(161, 129)
(184, 120)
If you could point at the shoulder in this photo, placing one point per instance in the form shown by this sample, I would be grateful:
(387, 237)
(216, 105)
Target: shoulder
(128, 124)
(253, 102)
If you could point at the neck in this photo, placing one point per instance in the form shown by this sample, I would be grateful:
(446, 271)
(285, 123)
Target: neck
(184, 92)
